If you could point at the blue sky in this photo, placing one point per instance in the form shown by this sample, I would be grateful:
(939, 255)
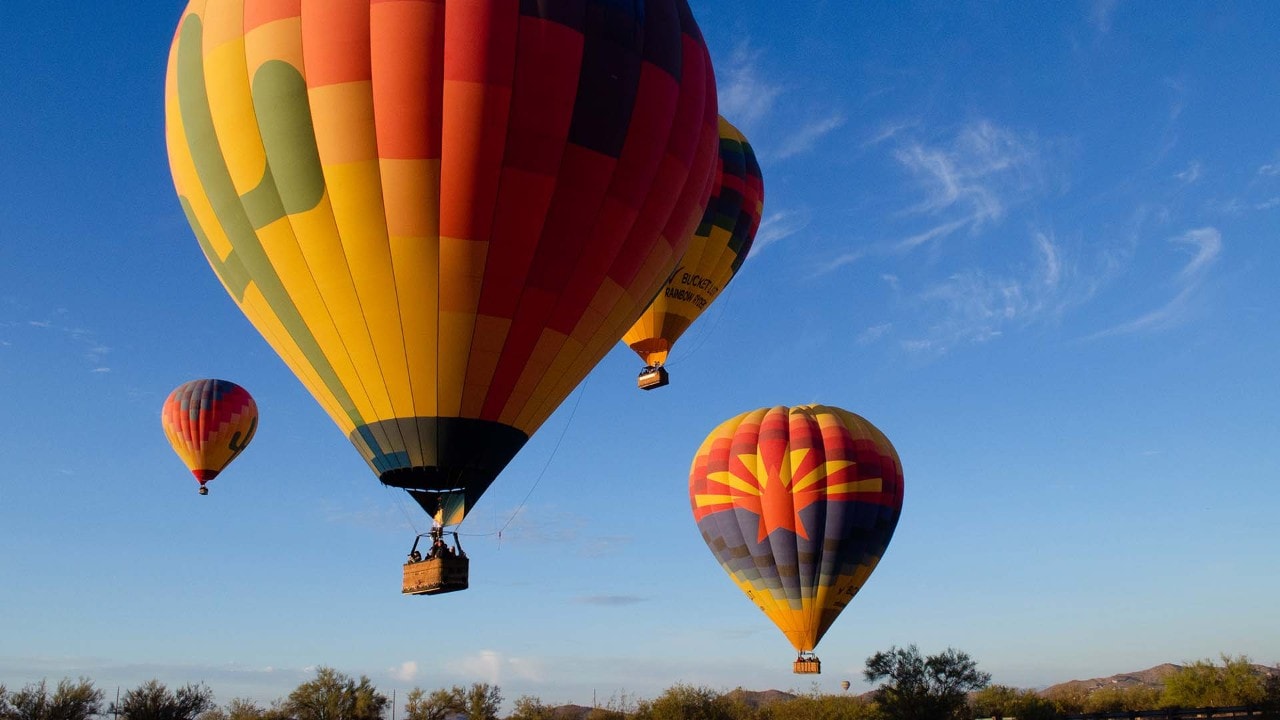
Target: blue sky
(1034, 243)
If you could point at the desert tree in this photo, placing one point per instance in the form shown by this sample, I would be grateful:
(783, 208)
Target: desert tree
(685, 702)
(1204, 684)
(78, 700)
(528, 707)
(924, 688)
(153, 701)
(333, 695)
(1005, 701)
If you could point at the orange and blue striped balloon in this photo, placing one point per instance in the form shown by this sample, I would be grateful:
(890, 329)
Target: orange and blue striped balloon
(209, 422)
(798, 505)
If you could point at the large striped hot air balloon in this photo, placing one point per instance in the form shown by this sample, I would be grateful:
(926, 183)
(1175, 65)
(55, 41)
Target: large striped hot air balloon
(798, 505)
(440, 214)
(209, 423)
(716, 251)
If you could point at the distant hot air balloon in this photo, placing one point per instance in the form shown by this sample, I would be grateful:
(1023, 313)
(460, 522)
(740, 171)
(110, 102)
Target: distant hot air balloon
(718, 248)
(844, 685)
(209, 423)
(441, 215)
(798, 505)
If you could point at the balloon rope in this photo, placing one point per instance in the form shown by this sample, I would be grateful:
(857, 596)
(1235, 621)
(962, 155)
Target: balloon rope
(582, 389)
(400, 503)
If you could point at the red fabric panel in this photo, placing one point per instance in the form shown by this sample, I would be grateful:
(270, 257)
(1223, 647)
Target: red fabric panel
(481, 43)
(479, 62)
(335, 38)
(407, 46)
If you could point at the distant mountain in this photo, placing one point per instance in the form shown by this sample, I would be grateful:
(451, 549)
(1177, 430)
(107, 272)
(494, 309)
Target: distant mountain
(758, 698)
(1151, 677)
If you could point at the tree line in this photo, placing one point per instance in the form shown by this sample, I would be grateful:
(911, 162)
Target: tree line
(911, 686)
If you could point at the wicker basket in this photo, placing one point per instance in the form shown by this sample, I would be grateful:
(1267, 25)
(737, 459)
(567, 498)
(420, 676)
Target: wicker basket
(808, 666)
(435, 576)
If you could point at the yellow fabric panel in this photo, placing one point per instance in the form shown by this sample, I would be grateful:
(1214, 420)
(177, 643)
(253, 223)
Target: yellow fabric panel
(278, 40)
(414, 260)
(356, 196)
(409, 192)
(256, 309)
(462, 264)
(790, 622)
(343, 117)
(223, 23)
(348, 346)
(456, 330)
(231, 102)
(413, 222)
(227, 84)
(486, 349)
(286, 257)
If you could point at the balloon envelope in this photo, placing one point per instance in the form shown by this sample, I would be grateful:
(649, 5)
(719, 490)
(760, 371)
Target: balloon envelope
(798, 505)
(208, 423)
(441, 215)
(716, 251)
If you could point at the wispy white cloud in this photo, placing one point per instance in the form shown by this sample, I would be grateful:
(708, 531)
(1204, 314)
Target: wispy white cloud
(888, 131)
(1269, 169)
(1205, 245)
(404, 672)
(492, 667)
(1191, 174)
(969, 181)
(744, 96)
(935, 232)
(874, 333)
(777, 226)
(846, 259)
(804, 138)
(1101, 14)
(750, 99)
(93, 350)
(977, 306)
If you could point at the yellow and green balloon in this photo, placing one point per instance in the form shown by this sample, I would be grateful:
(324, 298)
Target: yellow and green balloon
(440, 214)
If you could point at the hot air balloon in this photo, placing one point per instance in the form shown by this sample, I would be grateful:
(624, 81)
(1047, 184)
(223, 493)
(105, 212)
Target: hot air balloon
(718, 248)
(797, 505)
(441, 215)
(844, 685)
(209, 423)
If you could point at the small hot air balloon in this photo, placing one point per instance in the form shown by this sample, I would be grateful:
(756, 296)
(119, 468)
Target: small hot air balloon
(441, 215)
(844, 685)
(209, 423)
(798, 505)
(716, 251)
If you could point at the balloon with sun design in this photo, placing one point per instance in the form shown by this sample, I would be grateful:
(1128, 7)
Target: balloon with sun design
(798, 505)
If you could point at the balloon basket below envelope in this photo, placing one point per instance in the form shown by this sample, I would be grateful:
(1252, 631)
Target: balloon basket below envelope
(435, 576)
(807, 666)
(653, 377)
